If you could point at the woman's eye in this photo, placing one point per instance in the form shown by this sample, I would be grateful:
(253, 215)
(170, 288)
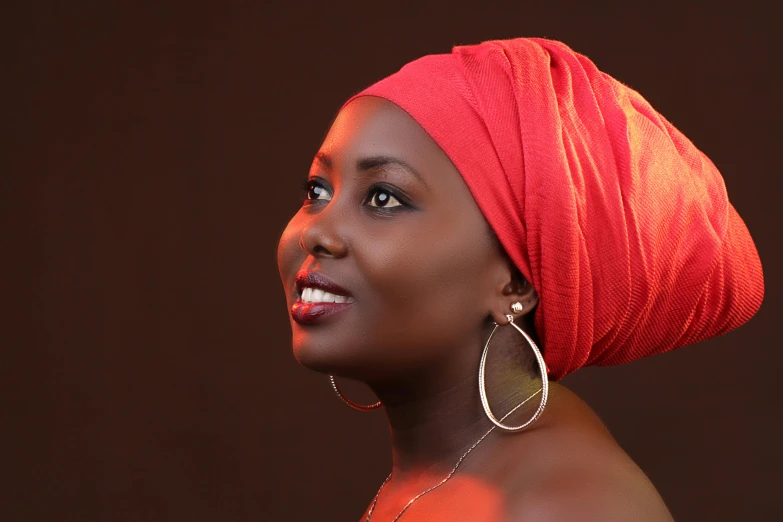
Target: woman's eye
(315, 191)
(379, 197)
(383, 198)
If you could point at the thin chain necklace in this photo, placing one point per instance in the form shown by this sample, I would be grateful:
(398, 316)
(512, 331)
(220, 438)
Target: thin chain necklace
(375, 500)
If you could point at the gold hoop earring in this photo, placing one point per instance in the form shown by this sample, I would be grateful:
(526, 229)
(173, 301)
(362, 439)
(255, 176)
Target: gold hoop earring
(349, 402)
(541, 368)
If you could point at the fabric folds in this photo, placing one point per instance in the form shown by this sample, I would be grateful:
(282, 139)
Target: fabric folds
(621, 224)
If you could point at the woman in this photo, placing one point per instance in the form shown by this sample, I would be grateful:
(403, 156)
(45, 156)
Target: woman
(472, 204)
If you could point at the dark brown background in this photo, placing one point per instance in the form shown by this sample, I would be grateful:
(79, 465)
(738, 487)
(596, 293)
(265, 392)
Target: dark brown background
(155, 156)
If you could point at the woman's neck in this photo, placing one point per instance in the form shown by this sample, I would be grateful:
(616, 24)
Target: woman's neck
(436, 418)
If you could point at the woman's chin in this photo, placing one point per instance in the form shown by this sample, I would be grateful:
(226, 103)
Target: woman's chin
(325, 359)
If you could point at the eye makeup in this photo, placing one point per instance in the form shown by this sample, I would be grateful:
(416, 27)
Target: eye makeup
(314, 188)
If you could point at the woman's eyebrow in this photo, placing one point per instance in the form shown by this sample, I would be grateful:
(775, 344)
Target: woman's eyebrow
(372, 162)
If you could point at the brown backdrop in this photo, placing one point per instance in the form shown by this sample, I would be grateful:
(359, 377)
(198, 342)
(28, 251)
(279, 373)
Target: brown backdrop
(156, 154)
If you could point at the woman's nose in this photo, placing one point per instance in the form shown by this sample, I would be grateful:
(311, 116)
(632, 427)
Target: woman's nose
(322, 236)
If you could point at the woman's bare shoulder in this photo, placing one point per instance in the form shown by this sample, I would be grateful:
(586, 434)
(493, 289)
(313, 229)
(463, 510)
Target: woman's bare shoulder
(588, 496)
(575, 470)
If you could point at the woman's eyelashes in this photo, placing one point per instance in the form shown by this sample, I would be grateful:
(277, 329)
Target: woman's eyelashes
(379, 196)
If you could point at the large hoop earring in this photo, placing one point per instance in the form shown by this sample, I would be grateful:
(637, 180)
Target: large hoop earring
(349, 402)
(541, 367)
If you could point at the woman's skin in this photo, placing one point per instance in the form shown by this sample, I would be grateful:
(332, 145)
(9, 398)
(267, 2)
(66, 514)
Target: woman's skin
(409, 243)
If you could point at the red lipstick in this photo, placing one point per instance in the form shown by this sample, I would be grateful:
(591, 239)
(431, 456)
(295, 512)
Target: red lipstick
(313, 312)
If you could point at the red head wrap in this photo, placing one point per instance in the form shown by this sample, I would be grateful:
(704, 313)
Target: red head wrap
(620, 223)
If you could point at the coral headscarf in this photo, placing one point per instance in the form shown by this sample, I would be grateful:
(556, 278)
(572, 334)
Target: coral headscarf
(621, 224)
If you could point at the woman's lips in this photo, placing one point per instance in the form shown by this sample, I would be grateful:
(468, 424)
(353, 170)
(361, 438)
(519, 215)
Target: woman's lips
(308, 313)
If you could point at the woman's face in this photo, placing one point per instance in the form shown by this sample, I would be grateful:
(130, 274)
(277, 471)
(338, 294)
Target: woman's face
(388, 218)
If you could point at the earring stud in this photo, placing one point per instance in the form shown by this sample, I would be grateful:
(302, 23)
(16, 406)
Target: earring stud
(517, 307)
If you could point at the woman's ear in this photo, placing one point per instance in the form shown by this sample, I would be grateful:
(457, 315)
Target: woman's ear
(516, 289)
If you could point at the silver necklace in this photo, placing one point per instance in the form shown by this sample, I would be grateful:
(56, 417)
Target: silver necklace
(375, 500)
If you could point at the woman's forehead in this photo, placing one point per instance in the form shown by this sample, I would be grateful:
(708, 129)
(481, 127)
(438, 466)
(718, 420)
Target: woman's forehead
(371, 126)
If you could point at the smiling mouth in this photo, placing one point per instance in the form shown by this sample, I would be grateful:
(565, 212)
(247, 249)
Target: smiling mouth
(317, 309)
(318, 298)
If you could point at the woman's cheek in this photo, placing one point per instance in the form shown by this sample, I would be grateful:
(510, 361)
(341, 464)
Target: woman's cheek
(403, 270)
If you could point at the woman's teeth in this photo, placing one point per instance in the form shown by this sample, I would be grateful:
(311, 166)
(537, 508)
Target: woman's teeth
(316, 295)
